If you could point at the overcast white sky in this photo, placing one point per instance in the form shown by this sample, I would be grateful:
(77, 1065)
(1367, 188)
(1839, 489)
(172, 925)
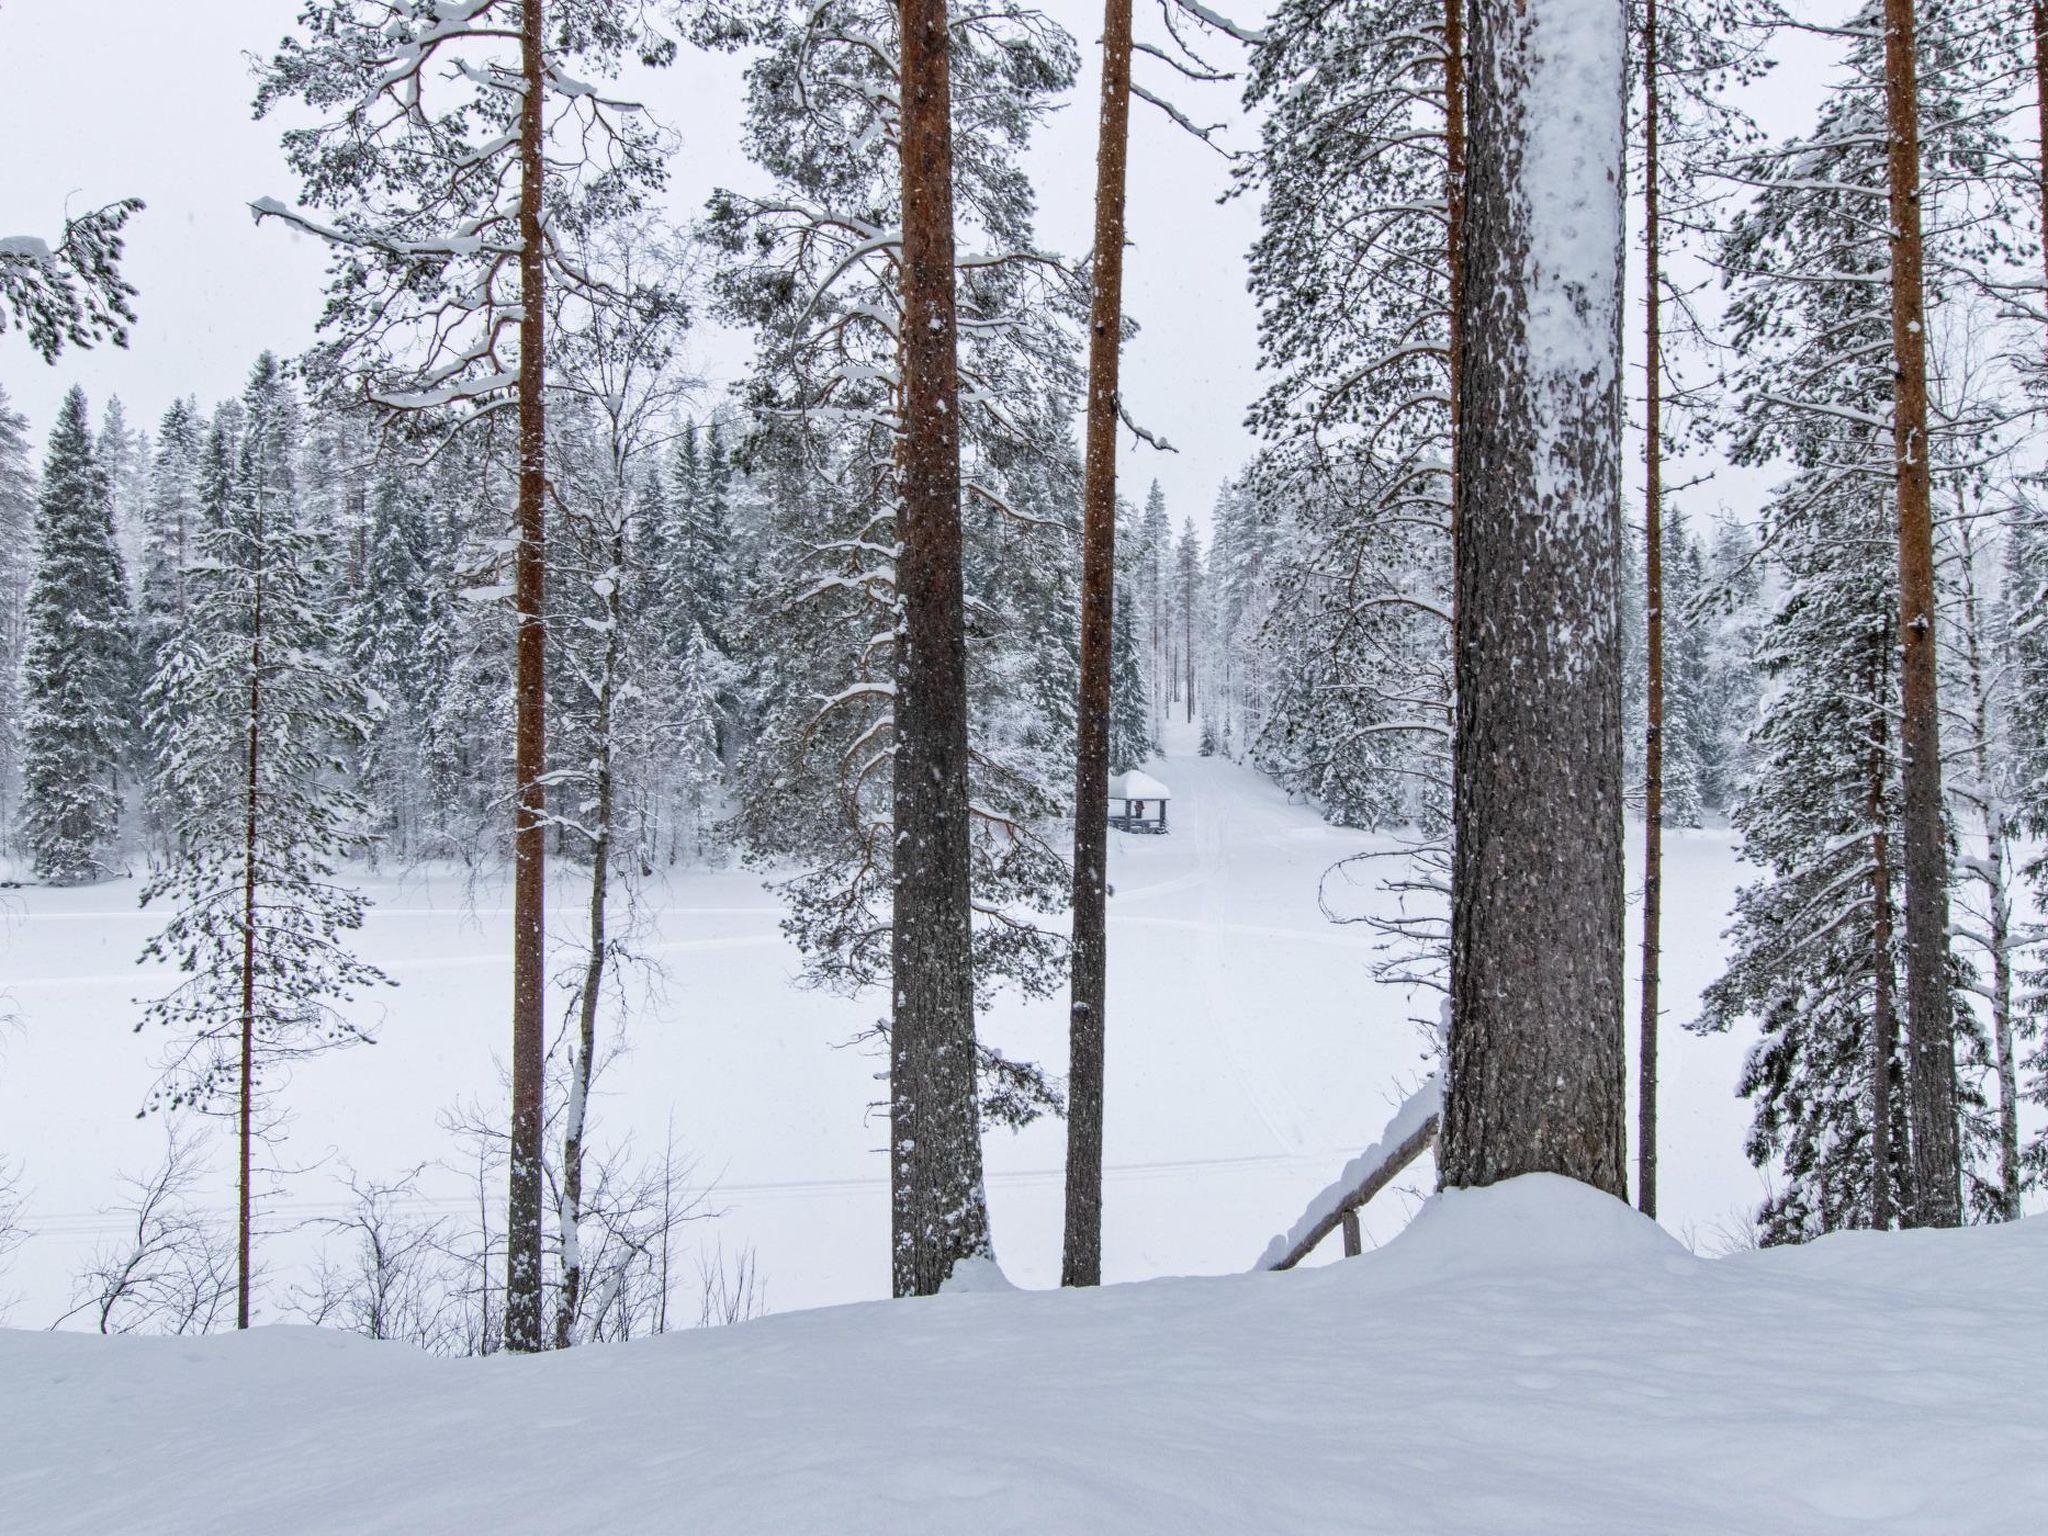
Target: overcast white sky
(150, 98)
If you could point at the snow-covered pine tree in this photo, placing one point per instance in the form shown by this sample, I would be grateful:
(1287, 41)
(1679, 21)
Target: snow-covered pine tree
(1816, 952)
(460, 140)
(17, 566)
(1360, 170)
(78, 692)
(2026, 661)
(819, 268)
(1683, 53)
(1979, 780)
(1534, 1076)
(71, 292)
(264, 708)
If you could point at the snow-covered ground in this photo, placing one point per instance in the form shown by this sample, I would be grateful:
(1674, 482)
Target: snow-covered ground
(1249, 1057)
(1528, 1359)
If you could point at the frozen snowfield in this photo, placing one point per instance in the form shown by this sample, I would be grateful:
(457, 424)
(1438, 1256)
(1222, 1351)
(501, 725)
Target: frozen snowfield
(1529, 1359)
(1249, 1057)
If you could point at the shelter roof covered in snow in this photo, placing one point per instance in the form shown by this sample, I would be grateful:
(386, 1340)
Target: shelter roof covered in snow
(1138, 786)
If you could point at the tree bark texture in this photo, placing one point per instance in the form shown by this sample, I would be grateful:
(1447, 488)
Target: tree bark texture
(523, 1328)
(1536, 1054)
(1653, 608)
(1081, 1260)
(1930, 1022)
(939, 1208)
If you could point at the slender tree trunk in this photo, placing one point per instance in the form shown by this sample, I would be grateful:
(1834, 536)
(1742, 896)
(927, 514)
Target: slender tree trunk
(1884, 1024)
(523, 1331)
(577, 1111)
(1081, 1262)
(245, 1107)
(1930, 1022)
(2041, 105)
(940, 1210)
(1994, 875)
(1537, 1068)
(1653, 538)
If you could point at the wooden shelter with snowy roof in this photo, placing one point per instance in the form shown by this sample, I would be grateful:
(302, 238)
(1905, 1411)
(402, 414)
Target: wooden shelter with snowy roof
(1137, 803)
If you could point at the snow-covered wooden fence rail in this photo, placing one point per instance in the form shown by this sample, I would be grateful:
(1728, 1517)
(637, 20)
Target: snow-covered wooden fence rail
(1408, 1135)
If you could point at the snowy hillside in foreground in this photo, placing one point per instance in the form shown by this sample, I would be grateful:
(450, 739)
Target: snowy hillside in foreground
(1250, 1056)
(1529, 1359)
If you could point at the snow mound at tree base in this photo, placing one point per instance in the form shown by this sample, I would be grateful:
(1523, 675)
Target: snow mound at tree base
(1530, 1358)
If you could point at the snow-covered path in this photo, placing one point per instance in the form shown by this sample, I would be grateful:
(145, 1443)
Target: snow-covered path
(1249, 1056)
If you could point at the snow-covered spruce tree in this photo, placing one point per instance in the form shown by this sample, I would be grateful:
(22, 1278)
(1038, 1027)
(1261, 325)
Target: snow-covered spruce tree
(2026, 661)
(71, 292)
(264, 708)
(1151, 555)
(17, 566)
(125, 455)
(1816, 953)
(169, 521)
(390, 645)
(462, 141)
(1130, 717)
(1243, 551)
(78, 666)
(1535, 1079)
(822, 270)
(1732, 610)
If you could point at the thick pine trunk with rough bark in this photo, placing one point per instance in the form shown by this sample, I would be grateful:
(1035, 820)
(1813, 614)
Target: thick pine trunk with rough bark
(523, 1328)
(1536, 1060)
(1930, 1023)
(940, 1211)
(1653, 539)
(1081, 1260)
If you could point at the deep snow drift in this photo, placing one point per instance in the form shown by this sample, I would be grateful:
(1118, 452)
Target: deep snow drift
(1532, 1358)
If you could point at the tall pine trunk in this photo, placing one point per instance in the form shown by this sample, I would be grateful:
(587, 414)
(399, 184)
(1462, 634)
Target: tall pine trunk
(1081, 1262)
(1653, 538)
(523, 1329)
(252, 777)
(940, 1210)
(1930, 1023)
(1536, 1078)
